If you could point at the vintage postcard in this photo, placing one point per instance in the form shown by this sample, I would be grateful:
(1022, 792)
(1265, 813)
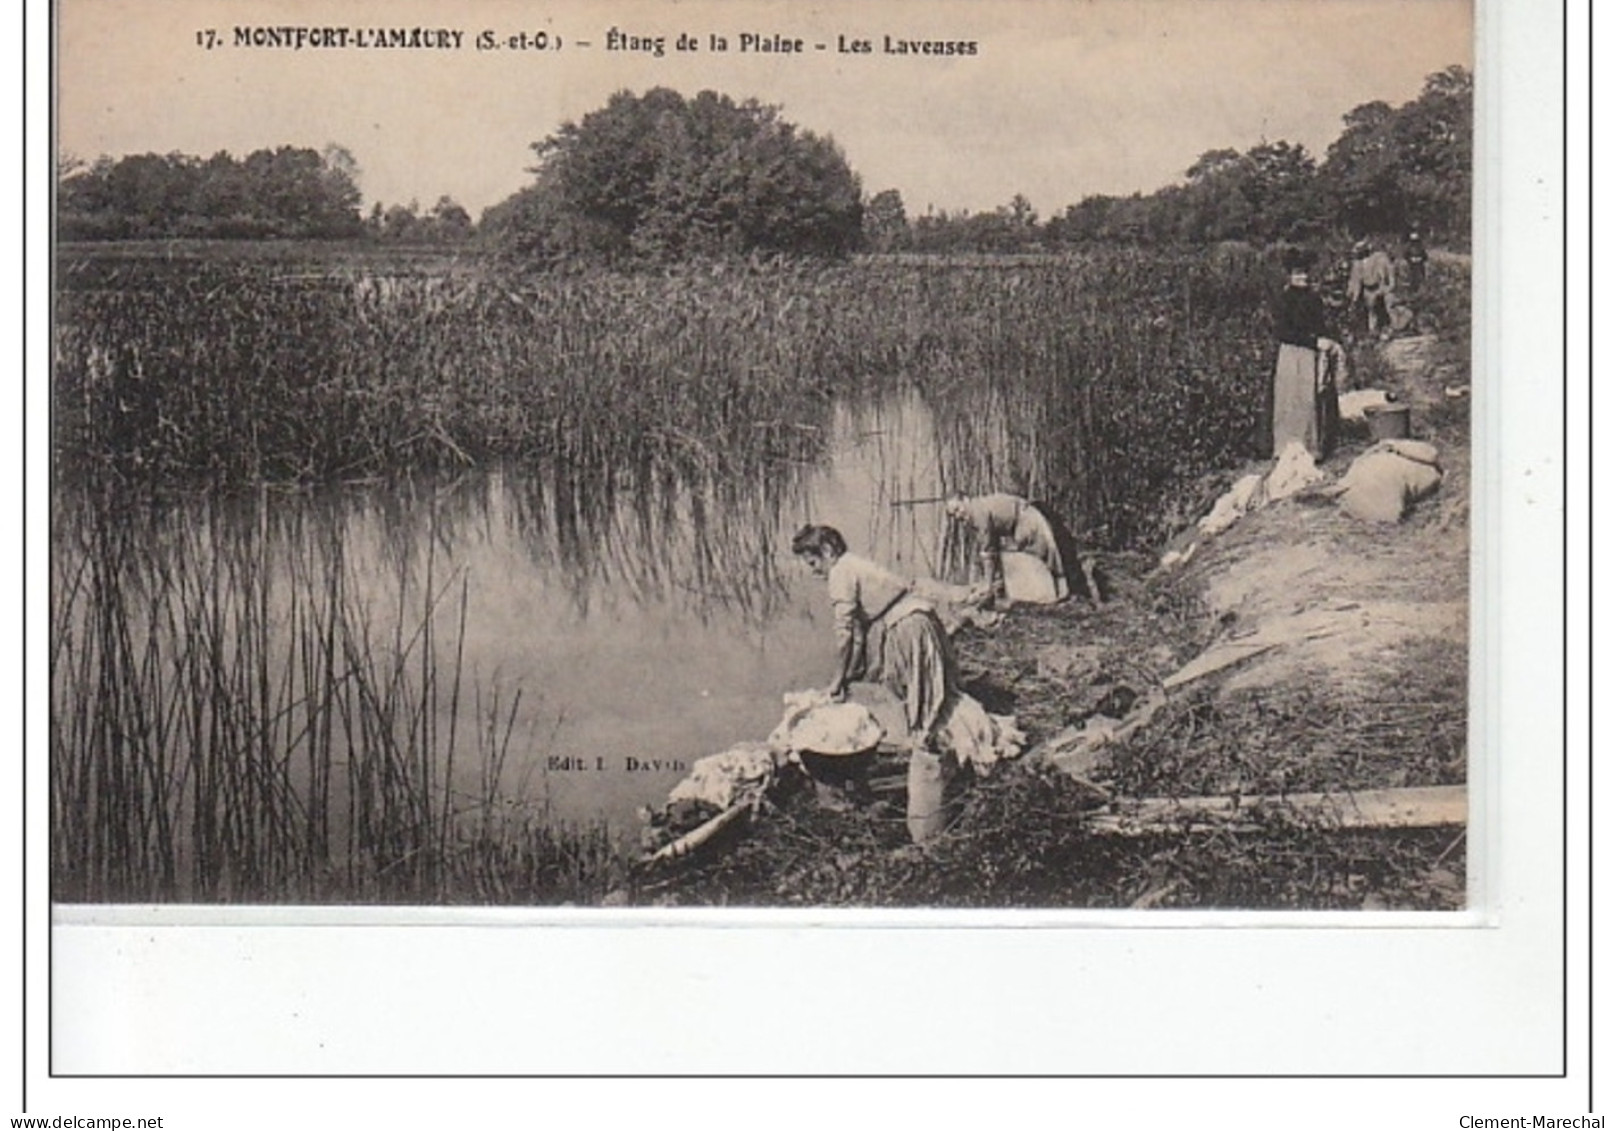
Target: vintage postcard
(648, 464)
(685, 455)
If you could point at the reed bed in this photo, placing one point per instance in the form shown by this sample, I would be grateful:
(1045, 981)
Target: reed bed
(229, 727)
(1095, 383)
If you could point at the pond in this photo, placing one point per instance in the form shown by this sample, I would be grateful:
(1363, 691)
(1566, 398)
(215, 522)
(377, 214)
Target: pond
(522, 636)
(666, 630)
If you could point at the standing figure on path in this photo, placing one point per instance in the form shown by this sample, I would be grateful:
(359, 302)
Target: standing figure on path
(1007, 522)
(1417, 258)
(1310, 366)
(1373, 279)
(887, 635)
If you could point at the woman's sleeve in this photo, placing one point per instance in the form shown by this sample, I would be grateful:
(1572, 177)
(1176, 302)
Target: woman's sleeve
(849, 625)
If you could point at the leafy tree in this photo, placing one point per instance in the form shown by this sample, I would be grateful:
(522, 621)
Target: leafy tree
(935, 232)
(1282, 187)
(1435, 133)
(1269, 192)
(1392, 168)
(658, 176)
(1083, 223)
(1213, 165)
(1361, 168)
(450, 222)
(446, 222)
(1007, 229)
(1409, 166)
(399, 222)
(886, 221)
(535, 225)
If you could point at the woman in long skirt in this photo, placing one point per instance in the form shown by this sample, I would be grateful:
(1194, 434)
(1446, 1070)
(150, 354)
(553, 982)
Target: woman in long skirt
(886, 634)
(1310, 366)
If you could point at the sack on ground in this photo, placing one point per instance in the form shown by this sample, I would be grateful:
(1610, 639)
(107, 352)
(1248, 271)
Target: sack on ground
(1027, 581)
(1384, 482)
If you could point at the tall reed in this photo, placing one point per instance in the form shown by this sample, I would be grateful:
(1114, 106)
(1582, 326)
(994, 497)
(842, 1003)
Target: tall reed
(1110, 377)
(228, 727)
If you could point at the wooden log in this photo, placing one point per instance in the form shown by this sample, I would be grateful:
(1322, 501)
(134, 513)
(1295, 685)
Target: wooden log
(699, 835)
(1419, 807)
(1216, 658)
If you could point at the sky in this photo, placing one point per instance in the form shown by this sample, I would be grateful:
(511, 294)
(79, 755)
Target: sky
(1062, 99)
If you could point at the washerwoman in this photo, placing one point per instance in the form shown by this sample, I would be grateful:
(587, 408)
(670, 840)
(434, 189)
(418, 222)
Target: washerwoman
(1309, 369)
(885, 634)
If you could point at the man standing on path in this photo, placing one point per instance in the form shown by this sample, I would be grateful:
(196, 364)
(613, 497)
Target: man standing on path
(1373, 277)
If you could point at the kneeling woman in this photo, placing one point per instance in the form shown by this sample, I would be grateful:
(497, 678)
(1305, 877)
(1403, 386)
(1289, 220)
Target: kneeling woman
(886, 634)
(1008, 522)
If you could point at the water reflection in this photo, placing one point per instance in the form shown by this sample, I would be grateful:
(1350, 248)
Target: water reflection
(613, 628)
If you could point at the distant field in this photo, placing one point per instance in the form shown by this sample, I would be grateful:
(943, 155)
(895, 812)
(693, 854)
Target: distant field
(347, 255)
(428, 259)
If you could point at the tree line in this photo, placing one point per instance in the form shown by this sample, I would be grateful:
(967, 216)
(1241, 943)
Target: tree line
(1393, 169)
(288, 192)
(661, 177)
(284, 193)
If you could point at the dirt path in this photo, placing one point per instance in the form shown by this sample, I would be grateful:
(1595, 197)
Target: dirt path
(1351, 602)
(1383, 590)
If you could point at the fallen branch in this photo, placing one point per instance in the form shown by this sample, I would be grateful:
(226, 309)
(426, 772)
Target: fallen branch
(1076, 751)
(699, 835)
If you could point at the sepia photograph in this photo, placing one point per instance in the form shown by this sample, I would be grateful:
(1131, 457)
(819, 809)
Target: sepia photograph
(764, 456)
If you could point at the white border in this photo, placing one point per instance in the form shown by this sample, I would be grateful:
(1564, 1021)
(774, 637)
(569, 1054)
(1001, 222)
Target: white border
(716, 1000)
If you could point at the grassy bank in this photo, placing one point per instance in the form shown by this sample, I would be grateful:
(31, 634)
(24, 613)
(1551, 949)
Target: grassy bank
(1023, 838)
(1381, 705)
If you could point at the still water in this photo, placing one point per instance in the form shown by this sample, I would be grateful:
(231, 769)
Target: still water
(644, 620)
(662, 639)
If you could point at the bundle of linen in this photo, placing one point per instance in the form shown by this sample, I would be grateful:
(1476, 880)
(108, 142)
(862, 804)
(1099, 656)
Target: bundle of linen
(1384, 482)
(977, 738)
(745, 769)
